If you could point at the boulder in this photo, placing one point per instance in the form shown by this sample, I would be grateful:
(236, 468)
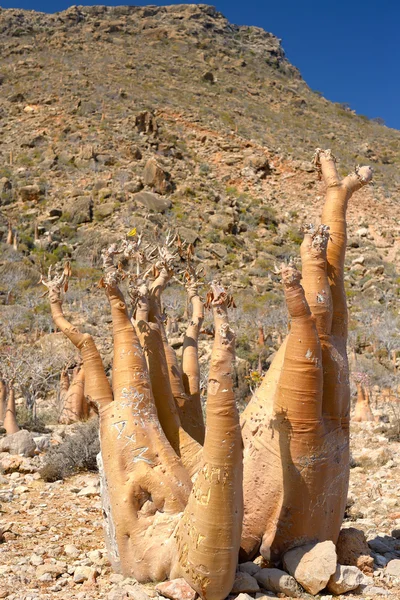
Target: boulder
(155, 177)
(312, 565)
(31, 193)
(352, 549)
(152, 201)
(79, 209)
(21, 442)
(176, 589)
(244, 582)
(276, 580)
(345, 579)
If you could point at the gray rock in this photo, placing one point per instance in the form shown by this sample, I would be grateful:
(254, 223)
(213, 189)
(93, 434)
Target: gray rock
(276, 580)
(312, 565)
(152, 201)
(244, 583)
(249, 567)
(379, 545)
(79, 210)
(344, 579)
(21, 442)
(393, 568)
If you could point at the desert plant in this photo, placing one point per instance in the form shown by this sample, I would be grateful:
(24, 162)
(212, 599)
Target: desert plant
(77, 453)
(173, 506)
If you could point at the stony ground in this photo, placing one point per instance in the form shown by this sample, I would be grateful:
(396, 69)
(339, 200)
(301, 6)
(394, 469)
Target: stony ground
(54, 547)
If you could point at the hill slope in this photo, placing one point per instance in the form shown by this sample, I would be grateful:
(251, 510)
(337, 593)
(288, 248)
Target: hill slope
(98, 104)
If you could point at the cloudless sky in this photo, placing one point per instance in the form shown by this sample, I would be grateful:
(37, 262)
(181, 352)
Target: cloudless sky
(347, 49)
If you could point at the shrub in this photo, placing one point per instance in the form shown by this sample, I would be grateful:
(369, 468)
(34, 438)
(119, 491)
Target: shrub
(77, 453)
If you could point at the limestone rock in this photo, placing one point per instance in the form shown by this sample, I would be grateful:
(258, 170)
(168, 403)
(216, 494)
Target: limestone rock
(276, 580)
(393, 568)
(352, 549)
(176, 589)
(155, 177)
(244, 583)
(312, 565)
(54, 570)
(345, 579)
(152, 201)
(21, 442)
(82, 574)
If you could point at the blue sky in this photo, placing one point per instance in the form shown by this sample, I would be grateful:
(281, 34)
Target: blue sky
(348, 50)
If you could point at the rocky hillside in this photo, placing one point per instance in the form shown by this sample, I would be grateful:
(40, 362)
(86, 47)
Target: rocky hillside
(171, 117)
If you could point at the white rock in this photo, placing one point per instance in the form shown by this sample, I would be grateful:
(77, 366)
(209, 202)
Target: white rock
(82, 574)
(89, 491)
(276, 580)
(345, 579)
(71, 550)
(312, 565)
(393, 568)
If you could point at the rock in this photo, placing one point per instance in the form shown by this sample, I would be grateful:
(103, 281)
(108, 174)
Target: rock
(208, 76)
(5, 185)
(176, 589)
(152, 201)
(276, 580)
(378, 545)
(362, 232)
(102, 211)
(146, 123)
(30, 193)
(312, 565)
(372, 590)
(249, 567)
(21, 443)
(79, 210)
(155, 177)
(352, 549)
(344, 579)
(136, 592)
(89, 491)
(71, 550)
(54, 570)
(393, 568)
(259, 163)
(221, 221)
(10, 464)
(189, 235)
(82, 574)
(42, 442)
(244, 582)
(243, 597)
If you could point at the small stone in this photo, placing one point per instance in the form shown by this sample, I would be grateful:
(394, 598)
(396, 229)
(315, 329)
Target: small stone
(82, 574)
(276, 580)
(378, 545)
(244, 583)
(344, 579)
(89, 491)
(71, 550)
(53, 570)
(312, 565)
(393, 568)
(177, 589)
